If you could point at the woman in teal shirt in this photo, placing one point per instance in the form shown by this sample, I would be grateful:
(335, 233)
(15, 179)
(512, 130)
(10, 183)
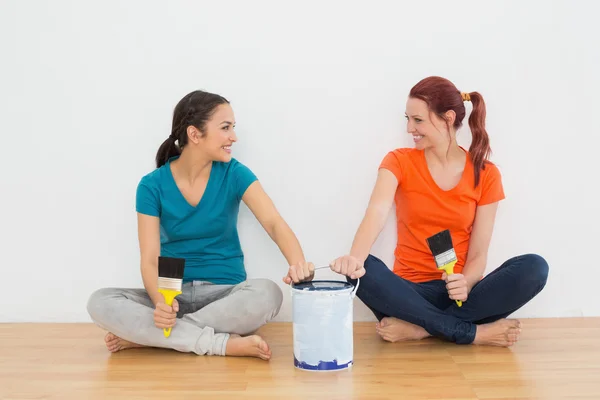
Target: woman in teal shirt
(188, 208)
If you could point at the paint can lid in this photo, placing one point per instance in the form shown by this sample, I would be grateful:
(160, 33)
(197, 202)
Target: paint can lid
(324, 286)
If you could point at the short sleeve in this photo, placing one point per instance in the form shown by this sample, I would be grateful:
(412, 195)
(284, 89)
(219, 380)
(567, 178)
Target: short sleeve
(243, 177)
(492, 189)
(391, 162)
(146, 199)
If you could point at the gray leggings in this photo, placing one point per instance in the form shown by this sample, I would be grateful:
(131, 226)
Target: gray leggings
(207, 314)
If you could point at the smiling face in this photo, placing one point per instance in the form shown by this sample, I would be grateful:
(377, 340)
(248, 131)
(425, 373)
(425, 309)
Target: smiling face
(217, 136)
(427, 129)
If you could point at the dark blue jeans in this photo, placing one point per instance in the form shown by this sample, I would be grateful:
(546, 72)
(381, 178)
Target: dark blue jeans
(428, 305)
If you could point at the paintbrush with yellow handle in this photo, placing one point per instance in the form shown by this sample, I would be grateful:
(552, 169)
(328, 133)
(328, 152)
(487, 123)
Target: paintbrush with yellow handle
(442, 249)
(170, 279)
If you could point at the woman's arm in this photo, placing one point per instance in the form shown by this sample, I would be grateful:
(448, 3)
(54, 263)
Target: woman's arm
(149, 239)
(279, 231)
(479, 243)
(369, 229)
(459, 285)
(377, 212)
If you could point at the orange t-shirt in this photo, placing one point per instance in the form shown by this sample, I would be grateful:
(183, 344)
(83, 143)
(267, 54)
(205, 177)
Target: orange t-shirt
(423, 209)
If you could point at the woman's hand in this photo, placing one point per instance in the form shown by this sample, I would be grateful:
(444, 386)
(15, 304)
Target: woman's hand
(300, 272)
(164, 315)
(457, 286)
(348, 265)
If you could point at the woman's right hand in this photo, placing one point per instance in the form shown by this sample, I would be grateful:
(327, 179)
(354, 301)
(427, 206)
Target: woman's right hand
(348, 265)
(164, 315)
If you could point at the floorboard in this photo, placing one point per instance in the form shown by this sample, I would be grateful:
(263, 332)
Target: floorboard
(555, 359)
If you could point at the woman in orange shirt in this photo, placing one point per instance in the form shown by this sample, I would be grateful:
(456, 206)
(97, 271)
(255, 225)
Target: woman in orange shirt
(438, 185)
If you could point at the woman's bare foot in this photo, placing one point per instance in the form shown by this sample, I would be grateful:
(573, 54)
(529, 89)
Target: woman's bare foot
(504, 332)
(248, 346)
(394, 330)
(115, 343)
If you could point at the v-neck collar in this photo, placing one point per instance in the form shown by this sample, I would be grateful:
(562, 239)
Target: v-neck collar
(463, 177)
(176, 188)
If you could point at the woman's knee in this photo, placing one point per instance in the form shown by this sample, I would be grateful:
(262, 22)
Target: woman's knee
(271, 296)
(537, 267)
(96, 304)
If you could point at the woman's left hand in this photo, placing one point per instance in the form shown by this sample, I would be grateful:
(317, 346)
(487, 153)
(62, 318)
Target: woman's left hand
(457, 286)
(300, 272)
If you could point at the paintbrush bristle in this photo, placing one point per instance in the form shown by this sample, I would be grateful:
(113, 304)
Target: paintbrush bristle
(170, 272)
(442, 248)
(171, 267)
(440, 242)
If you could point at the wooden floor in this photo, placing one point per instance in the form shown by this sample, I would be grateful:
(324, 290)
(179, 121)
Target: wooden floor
(555, 359)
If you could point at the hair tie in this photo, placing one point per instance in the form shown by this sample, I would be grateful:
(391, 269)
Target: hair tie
(172, 137)
(466, 96)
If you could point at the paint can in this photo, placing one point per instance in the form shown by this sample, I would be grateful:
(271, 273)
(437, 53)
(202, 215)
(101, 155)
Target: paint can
(323, 325)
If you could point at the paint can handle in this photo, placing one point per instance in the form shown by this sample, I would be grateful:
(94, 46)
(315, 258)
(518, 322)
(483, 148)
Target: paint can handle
(355, 288)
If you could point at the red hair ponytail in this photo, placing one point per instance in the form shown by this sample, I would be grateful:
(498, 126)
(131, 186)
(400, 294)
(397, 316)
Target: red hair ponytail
(441, 96)
(480, 144)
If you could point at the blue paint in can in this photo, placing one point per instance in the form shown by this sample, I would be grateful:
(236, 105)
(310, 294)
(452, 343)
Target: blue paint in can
(322, 366)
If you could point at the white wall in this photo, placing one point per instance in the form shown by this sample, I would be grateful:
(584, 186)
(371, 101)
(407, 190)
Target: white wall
(319, 88)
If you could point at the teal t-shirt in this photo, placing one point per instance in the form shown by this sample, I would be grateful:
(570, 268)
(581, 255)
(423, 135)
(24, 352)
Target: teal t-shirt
(206, 236)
